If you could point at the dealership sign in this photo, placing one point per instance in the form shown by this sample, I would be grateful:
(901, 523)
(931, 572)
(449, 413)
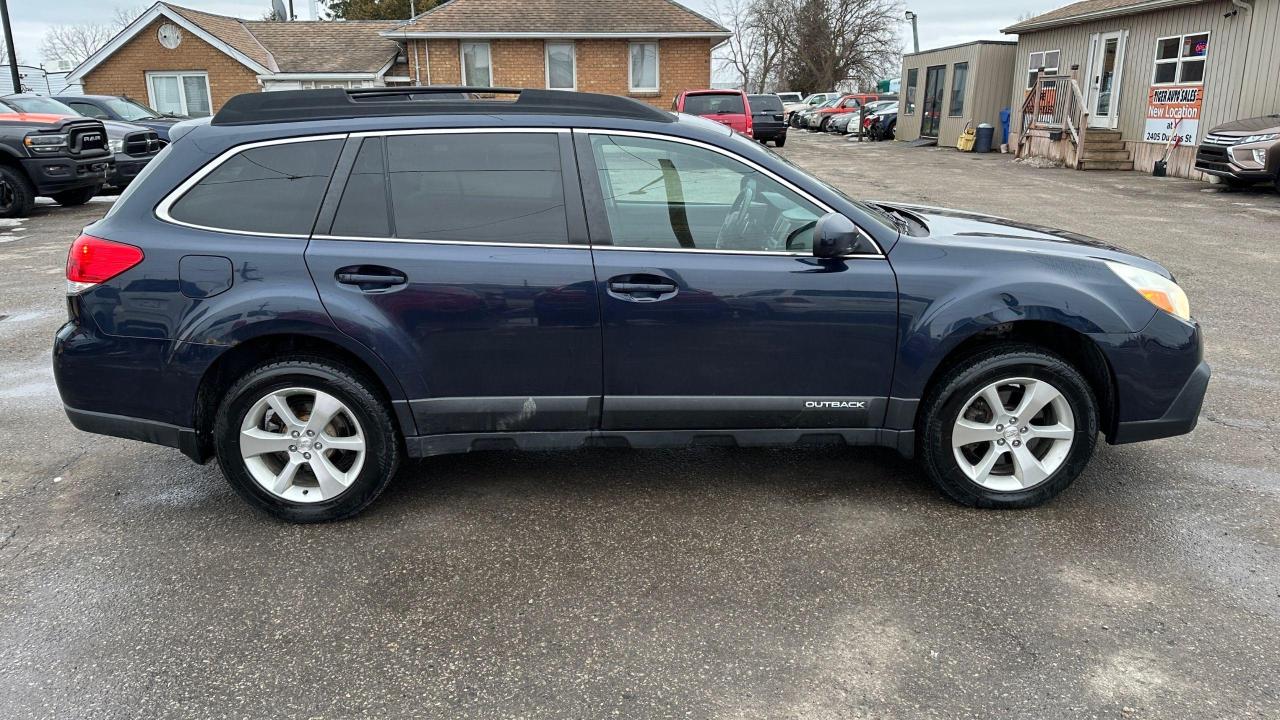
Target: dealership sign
(1173, 112)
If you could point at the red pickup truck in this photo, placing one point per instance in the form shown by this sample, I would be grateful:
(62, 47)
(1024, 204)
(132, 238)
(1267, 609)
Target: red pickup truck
(728, 107)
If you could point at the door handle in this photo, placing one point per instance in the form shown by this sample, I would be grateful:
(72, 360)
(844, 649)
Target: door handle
(627, 288)
(370, 278)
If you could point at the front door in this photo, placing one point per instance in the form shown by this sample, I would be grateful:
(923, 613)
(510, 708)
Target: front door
(934, 80)
(716, 315)
(1104, 79)
(454, 257)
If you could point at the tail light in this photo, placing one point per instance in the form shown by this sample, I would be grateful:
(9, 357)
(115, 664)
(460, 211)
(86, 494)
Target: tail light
(93, 260)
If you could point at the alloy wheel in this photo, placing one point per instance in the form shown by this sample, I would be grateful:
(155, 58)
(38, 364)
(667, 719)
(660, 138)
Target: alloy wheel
(302, 445)
(1013, 434)
(7, 194)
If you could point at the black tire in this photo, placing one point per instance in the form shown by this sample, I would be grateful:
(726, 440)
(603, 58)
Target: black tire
(823, 123)
(17, 194)
(780, 141)
(79, 196)
(383, 443)
(944, 402)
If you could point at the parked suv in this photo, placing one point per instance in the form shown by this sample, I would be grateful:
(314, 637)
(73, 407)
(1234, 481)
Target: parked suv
(318, 284)
(766, 119)
(727, 107)
(1243, 153)
(54, 156)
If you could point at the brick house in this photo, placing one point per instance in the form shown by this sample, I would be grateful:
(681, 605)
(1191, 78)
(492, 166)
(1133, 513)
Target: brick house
(190, 62)
(646, 49)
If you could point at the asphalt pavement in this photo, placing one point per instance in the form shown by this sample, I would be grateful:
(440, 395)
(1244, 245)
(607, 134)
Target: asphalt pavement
(724, 584)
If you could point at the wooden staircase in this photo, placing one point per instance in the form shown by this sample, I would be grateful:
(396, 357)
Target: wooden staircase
(1104, 150)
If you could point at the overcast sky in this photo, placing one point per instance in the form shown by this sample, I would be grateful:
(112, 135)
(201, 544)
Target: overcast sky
(942, 22)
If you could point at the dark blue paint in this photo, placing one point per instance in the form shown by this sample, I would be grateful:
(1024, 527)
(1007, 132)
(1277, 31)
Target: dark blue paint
(514, 325)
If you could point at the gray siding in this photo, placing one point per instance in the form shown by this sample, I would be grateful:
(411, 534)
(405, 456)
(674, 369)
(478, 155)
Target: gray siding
(987, 88)
(1241, 72)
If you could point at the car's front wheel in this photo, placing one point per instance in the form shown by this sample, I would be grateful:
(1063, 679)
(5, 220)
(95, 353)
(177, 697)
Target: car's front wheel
(1011, 427)
(306, 440)
(17, 196)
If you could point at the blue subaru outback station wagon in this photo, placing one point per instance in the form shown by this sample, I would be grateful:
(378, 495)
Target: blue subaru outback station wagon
(315, 285)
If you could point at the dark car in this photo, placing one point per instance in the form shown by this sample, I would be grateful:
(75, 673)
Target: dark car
(316, 284)
(132, 146)
(1243, 153)
(883, 123)
(121, 109)
(54, 156)
(766, 119)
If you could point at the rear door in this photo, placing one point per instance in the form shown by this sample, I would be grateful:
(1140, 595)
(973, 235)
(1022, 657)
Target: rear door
(716, 314)
(453, 255)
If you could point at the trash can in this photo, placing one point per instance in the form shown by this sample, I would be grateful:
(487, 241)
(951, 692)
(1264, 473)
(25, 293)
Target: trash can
(982, 142)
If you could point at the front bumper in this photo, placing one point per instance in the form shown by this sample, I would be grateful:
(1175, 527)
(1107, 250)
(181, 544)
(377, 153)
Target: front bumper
(56, 174)
(125, 169)
(1215, 160)
(1179, 419)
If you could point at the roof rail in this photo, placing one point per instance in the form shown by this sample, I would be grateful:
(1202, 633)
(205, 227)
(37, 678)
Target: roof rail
(337, 103)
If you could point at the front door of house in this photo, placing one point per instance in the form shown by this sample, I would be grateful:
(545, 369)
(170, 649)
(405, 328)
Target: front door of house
(1104, 79)
(934, 78)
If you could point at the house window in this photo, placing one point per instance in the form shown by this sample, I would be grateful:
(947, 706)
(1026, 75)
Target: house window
(644, 67)
(959, 76)
(1181, 59)
(562, 66)
(180, 93)
(476, 68)
(1048, 60)
(912, 75)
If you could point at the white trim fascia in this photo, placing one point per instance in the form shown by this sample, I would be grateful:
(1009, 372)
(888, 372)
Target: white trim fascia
(1138, 9)
(319, 76)
(145, 19)
(398, 35)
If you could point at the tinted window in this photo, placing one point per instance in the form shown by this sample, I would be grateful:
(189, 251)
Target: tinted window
(362, 212)
(487, 187)
(272, 189)
(88, 110)
(765, 103)
(713, 104)
(660, 194)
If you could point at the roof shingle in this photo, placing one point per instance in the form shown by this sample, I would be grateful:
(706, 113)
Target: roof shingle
(327, 47)
(1087, 9)
(560, 17)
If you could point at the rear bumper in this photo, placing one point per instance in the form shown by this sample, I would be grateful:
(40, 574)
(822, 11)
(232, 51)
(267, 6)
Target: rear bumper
(768, 132)
(56, 174)
(1179, 419)
(132, 428)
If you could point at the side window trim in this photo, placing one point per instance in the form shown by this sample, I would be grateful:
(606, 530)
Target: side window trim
(569, 172)
(601, 236)
(163, 208)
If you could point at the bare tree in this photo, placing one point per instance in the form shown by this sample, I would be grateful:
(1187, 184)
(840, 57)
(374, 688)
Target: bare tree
(77, 42)
(758, 41)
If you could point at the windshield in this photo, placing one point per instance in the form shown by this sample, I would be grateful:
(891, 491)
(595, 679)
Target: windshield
(816, 98)
(789, 97)
(47, 106)
(130, 110)
(713, 104)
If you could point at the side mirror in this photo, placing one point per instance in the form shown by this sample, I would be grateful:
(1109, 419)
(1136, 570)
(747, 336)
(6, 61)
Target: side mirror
(834, 236)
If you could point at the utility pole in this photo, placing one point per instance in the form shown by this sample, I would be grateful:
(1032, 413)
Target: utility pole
(8, 42)
(915, 32)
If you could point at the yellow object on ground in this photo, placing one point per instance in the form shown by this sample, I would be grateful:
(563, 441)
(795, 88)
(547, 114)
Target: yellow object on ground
(965, 143)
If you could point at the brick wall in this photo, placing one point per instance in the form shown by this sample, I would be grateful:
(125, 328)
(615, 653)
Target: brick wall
(683, 64)
(125, 72)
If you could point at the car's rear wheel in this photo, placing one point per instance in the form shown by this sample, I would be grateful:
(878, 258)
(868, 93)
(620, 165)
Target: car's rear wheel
(17, 196)
(79, 196)
(306, 440)
(780, 141)
(1011, 427)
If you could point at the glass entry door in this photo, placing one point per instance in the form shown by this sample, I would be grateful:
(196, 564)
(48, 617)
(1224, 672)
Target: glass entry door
(934, 78)
(1104, 83)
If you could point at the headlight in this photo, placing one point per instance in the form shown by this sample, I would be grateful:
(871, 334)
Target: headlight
(117, 146)
(1259, 138)
(1157, 289)
(45, 143)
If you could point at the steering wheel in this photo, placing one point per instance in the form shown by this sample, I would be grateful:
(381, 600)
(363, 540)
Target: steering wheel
(735, 222)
